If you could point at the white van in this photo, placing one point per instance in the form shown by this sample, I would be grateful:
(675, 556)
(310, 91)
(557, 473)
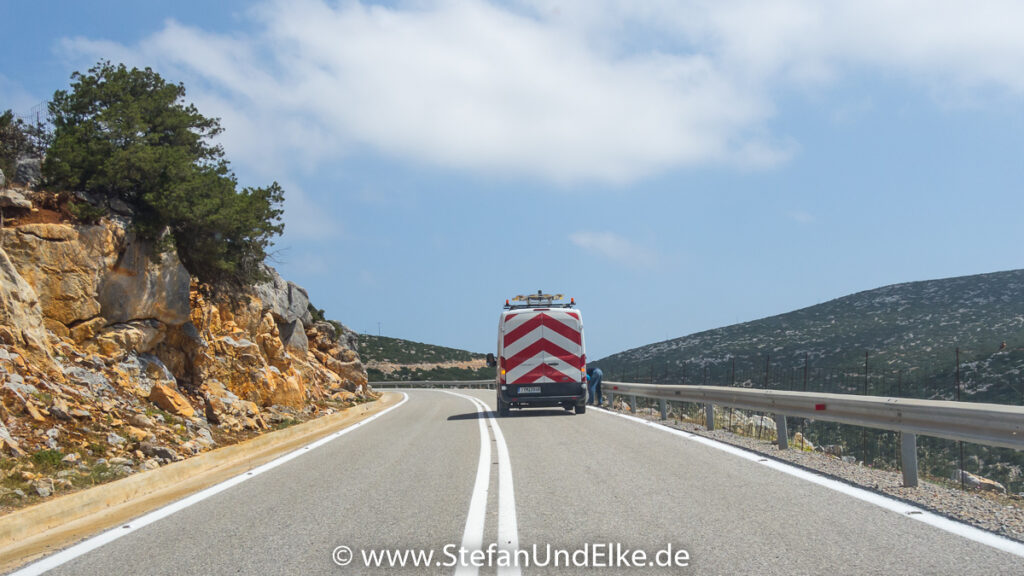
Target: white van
(541, 357)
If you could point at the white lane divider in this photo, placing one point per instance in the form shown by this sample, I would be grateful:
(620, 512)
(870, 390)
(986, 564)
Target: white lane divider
(86, 546)
(508, 526)
(473, 535)
(907, 510)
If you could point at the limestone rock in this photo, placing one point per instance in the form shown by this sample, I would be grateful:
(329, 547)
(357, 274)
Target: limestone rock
(140, 421)
(139, 336)
(137, 434)
(293, 335)
(286, 300)
(85, 330)
(64, 265)
(139, 286)
(43, 487)
(59, 409)
(21, 316)
(978, 483)
(28, 170)
(225, 408)
(171, 401)
(801, 443)
(158, 451)
(13, 199)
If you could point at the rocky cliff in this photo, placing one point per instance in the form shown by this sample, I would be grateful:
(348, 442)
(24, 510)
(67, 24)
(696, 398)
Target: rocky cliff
(113, 360)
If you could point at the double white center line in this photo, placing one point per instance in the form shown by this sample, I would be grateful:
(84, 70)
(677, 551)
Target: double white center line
(508, 531)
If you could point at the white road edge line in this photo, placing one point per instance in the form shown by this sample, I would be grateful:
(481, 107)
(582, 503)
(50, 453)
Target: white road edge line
(50, 562)
(902, 508)
(508, 525)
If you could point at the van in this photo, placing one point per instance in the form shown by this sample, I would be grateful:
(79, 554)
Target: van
(541, 358)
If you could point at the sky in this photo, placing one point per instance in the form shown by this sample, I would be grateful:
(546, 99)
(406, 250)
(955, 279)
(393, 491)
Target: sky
(674, 166)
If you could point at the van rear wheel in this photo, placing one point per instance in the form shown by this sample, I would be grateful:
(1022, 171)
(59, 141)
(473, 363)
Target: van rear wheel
(581, 408)
(503, 408)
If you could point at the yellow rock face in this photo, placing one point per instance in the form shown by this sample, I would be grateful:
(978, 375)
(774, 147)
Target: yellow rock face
(169, 399)
(64, 264)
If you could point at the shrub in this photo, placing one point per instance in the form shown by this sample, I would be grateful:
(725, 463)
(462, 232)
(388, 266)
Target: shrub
(86, 212)
(47, 460)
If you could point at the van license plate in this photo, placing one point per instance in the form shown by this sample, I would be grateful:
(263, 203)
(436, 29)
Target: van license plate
(529, 389)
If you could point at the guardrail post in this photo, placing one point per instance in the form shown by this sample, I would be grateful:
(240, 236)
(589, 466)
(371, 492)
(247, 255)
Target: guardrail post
(663, 404)
(632, 403)
(908, 451)
(709, 416)
(780, 431)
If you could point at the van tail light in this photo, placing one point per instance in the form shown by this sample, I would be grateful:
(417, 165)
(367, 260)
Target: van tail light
(501, 368)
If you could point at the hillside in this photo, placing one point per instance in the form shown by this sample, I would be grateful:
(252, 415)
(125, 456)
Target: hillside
(388, 359)
(910, 333)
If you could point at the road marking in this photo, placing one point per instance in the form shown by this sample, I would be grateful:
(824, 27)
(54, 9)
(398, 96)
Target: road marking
(906, 510)
(86, 546)
(473, 535)
(508, 526)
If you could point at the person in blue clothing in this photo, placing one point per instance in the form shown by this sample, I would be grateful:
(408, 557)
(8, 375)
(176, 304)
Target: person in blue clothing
(594, 376)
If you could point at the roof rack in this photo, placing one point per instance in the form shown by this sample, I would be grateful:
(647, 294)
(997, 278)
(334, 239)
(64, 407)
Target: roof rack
(539, 300)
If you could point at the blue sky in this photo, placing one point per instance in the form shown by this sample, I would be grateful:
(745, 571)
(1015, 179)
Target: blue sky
(674, 166)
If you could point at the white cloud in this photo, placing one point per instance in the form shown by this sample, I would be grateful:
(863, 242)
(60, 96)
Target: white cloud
(464, 85)
(615, 248)
(756, 41)
(571, 91)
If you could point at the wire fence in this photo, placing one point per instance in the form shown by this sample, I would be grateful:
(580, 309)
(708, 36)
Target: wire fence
(962, 378)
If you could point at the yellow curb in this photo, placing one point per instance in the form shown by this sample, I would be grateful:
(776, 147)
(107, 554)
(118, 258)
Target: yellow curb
(26, 535)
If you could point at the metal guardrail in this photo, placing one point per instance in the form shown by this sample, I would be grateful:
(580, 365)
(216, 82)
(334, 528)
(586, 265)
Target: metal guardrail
(988, 424)
(489, 384)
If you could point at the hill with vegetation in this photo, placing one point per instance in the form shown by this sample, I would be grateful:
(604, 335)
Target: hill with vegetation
(951, 339)
(899, 340)
(391, 359)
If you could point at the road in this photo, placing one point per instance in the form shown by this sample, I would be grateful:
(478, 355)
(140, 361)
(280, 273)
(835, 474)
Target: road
(420, 477)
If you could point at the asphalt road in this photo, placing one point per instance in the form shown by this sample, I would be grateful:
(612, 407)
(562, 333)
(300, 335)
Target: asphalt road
(419, 477)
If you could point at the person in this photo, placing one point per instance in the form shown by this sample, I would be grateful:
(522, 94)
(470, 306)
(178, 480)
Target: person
(594, 376)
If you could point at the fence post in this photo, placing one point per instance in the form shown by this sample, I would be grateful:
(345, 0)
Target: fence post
(908, 453)
(632, 403)
(780, 431)
(663, 404)
(709, 416)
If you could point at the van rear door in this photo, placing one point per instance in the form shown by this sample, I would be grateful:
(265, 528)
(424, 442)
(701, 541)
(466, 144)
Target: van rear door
(543, 345)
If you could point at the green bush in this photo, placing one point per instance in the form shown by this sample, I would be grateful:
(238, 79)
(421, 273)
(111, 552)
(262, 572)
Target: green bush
(86, 212)
(127, 134)
(47, 460)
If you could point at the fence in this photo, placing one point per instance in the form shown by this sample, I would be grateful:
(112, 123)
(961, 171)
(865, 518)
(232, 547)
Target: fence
(993, 375)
